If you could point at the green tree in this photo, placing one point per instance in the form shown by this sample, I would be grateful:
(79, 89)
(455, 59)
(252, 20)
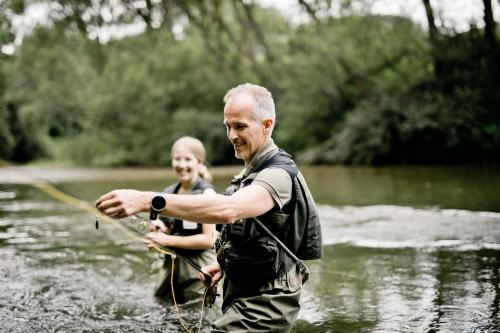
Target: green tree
(350, 86)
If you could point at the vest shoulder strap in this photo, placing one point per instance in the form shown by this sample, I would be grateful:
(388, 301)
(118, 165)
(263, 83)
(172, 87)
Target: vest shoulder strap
(172, 188)
(279, 160)
(201, 185)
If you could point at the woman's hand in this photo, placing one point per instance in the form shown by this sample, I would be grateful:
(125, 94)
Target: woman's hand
(159, 225)
(152, 239)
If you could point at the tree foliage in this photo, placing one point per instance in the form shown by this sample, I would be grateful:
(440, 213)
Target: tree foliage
(350, 87)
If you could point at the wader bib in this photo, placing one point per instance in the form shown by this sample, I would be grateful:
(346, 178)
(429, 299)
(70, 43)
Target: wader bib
(187, 284)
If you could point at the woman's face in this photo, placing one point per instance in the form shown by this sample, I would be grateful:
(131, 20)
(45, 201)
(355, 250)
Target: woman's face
(185, 164)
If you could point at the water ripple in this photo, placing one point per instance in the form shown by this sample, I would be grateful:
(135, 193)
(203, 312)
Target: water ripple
(405, 227)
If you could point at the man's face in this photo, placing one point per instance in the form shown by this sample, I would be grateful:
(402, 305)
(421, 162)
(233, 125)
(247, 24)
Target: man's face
(247, 134)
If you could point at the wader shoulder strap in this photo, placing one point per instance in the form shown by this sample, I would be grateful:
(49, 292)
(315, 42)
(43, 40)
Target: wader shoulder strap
(201, 185)
(174, 188)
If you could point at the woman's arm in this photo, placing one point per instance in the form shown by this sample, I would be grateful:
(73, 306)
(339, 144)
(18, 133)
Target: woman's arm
(203, 241)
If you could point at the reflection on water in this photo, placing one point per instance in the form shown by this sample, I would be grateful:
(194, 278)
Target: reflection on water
(459, 187)
(386, 268)
(403, 290)
(399, 269)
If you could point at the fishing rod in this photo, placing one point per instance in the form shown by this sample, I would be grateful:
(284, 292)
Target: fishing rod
(166, 248)
(211, 293)
(177, 255)
(49, 189)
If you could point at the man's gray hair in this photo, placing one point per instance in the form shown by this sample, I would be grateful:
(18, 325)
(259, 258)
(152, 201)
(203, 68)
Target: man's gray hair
(263, 99)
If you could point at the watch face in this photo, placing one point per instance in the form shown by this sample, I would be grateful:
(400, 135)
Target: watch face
(158, 203)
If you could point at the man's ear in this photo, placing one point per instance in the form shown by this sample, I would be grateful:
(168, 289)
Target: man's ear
(268, 125)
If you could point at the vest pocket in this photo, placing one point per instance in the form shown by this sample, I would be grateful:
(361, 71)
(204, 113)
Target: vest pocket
(253, 264)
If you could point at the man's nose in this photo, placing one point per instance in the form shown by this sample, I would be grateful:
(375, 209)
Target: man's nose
(231, 135)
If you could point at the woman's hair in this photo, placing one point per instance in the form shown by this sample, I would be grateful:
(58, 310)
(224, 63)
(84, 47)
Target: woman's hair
(198, 150)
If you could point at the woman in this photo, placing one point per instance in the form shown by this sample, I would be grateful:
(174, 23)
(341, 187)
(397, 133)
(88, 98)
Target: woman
(193, 241)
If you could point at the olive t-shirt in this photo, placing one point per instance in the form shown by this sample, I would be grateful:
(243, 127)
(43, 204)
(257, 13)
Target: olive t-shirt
(276, 181)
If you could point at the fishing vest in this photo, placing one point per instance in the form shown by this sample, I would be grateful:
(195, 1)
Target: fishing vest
(247, 254)
(180, 227)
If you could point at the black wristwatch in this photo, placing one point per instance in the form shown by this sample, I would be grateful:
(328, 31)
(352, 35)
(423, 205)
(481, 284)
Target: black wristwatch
(158, 204)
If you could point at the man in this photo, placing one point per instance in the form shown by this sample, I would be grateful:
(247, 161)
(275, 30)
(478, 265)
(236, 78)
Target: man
(263, 284)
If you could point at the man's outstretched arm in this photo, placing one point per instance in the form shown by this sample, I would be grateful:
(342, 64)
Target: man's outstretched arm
(249, 201)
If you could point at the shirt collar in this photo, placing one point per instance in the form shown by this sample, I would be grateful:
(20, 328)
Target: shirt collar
(263, 154)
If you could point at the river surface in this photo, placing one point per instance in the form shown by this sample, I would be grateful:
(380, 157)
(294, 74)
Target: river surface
(406, 249)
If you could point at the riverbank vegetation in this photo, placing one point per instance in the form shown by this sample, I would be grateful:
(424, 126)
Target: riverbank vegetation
(351, 87)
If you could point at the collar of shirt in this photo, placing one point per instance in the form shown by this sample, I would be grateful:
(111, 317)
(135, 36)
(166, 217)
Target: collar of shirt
(268, 150)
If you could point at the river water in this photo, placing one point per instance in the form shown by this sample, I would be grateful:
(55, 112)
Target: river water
(406, 249)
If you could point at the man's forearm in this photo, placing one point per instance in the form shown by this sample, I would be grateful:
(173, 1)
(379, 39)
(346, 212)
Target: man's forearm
(212, 209)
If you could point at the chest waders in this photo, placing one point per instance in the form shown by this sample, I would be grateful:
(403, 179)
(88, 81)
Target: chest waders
(258, 250)
(177, 226)
(185, 277)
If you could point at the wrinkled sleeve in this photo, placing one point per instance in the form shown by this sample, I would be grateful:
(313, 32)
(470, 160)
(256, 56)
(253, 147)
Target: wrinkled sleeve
(277, 182)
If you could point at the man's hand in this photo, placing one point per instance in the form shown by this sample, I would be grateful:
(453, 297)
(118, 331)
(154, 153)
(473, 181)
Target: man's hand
(123, 203)
(214, 271)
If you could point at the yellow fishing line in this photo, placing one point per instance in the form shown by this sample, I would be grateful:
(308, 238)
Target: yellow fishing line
(57, 194)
